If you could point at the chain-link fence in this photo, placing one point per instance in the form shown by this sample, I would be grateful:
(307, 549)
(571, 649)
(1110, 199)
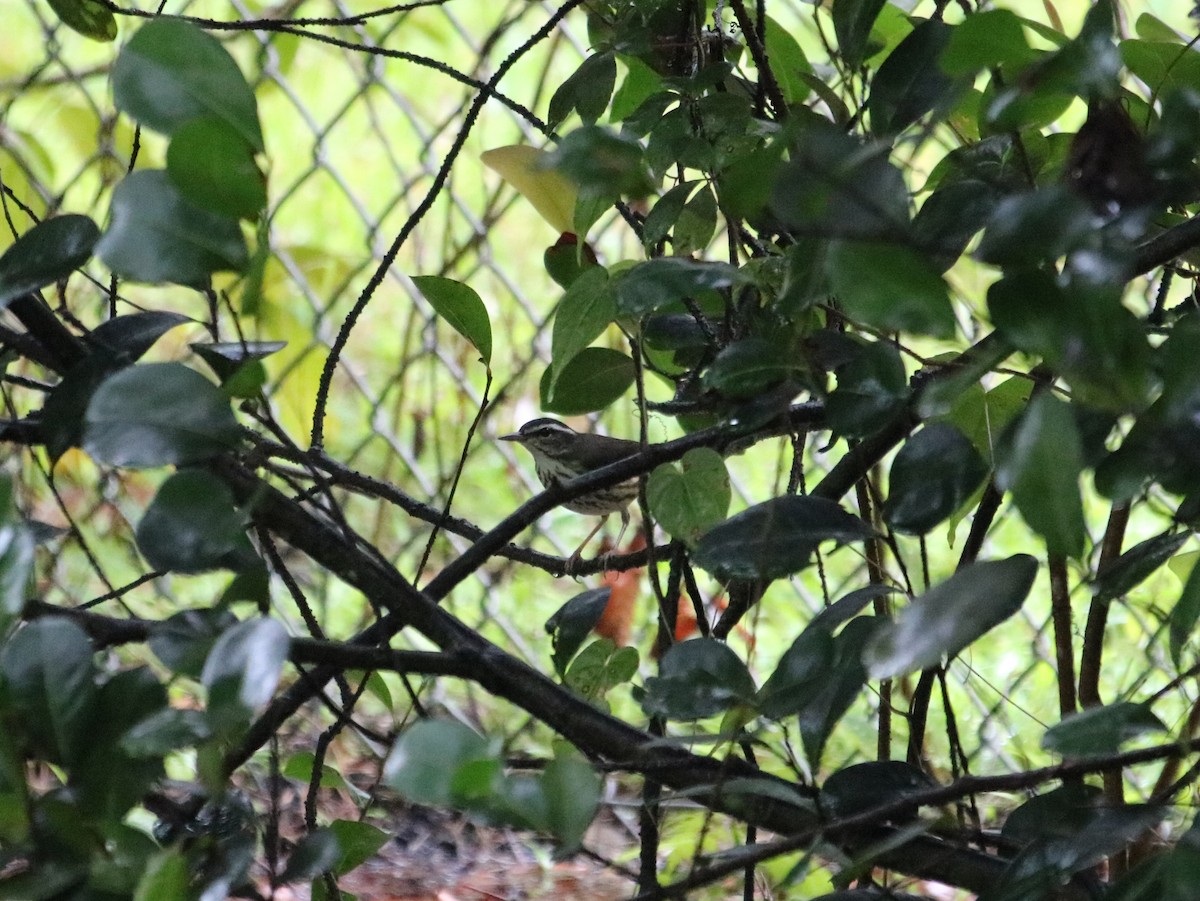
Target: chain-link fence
(372, 133)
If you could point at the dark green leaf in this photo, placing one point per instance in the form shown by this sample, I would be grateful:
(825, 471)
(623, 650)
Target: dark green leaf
(872, 388)
(460, 306)
(47, 253)
(252, 583)
(214, 168)
(852, 21)
(951, 216)
(936, 471)
(586, 91)
(588, 307)
(688, 499)
(984, 40)
(316, 853)
(696, 223)
(801, 672)
(599, 668)
(842, 686)
(572, 792)
(1058, 813)
(165, 877)
(698, 679)
(845, 608)
(1101, 730)
(1037, 226)
(751, 366)
(653, 284)
(168, 729)
(157, 414)
(910, 82)
(230, 360)
(156, 235)
(17, 546)
(192, 526)
(594, 378)
(133, 334)
(1135, 565)
(640, 83)
(427, 756)
(864, 786)
(172, 72)
(1184, 615)
(49, 678)
(787, 61)
(571, 624)
(838, 186)
(776, 538)
(950, 616)
(358, 842)
(183, 641)
(661, 219)
(63, 412)
(243, 668)
(603, 163)
(1165, 66)
(1040, 460)
(890, 287)
(88, 17)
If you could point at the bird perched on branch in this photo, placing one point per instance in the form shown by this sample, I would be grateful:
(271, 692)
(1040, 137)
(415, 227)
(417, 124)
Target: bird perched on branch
(560, 453)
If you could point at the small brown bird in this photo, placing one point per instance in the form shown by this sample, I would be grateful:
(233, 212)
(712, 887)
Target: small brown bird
(560, 453)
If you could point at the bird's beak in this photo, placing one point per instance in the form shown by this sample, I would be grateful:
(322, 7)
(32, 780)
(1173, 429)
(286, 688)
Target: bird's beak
(515, 436)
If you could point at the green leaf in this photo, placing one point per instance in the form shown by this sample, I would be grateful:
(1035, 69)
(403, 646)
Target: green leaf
(88, 17)
(131, 335)
(890, 287)
(167, 729)
(751, 366)
(214, 168)
(1184, 614)
(603, 164)
(852, 21)
(640, 83)
(242, 670)
(910, 82)
(184, 640)
(460, 306)
(193, 526)
(599, 668)
(950, 616)
(690, 498)
(837, 185)
(587, 90)
(594, 378)
(571, 624)
(697, 679)
(427, 756)
(987, 39)
(872, 388)
(801, 671)
(1030, 228)
(225, 358)
(316, 853)
(845, 678)
(1060, 812)
(863, 786)
(787, 61)
(571, 789)
(982, 415)
(775, 538)
(157, 414)
(358, 842)
(1040, 460)
(696, 224)
(1101, 730)
(934, 474)
(1135, 565)
(1165, 66)
(588, 307)
(172, 72)
(647, 286)
(156, 235)
(47, 253)
(49, 679)
(17, 546)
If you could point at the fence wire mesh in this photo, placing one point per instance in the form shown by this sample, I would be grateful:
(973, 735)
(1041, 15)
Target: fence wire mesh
(374, 125)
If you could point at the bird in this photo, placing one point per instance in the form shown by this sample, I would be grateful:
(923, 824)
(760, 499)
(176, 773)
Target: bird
(560, 453)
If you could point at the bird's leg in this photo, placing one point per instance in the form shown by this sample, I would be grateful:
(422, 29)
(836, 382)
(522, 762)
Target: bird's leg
(616, 546)
(573, 560)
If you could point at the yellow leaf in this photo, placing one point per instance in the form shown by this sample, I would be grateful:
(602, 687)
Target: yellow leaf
(551, 193)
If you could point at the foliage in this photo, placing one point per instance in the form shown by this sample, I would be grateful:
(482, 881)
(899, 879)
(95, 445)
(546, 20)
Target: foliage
(952, 246)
